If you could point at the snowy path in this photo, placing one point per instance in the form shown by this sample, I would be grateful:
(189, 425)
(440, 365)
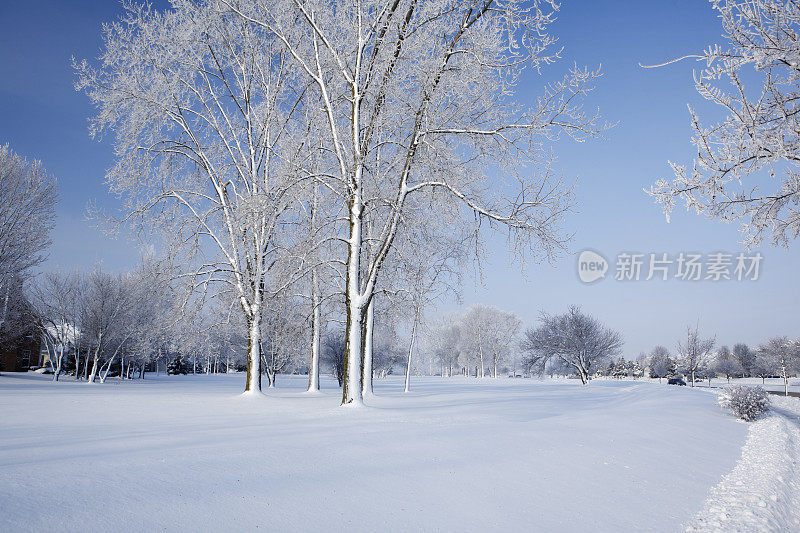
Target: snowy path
(188, 453)
(762, 493)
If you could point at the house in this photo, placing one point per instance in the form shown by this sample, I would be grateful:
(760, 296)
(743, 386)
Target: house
(20, 340)
(21, 354)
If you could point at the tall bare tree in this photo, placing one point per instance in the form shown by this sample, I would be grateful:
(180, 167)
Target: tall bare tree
(203, 108)
(694, 352)
(58, 300)
(28, 198)
(782, 356)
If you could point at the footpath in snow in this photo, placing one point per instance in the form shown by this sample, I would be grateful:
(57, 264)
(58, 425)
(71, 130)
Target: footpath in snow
(762, 493)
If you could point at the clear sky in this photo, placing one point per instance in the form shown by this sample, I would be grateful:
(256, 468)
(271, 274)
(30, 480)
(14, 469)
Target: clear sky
(42, 117)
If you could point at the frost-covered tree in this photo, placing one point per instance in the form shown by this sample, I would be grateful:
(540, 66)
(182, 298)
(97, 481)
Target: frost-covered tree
(726, 364)
(492, 334)
(228, 335)
(660, 363)
(728, 368)
(444, 337)
(694, 352)
(780, 355)
(103, 315)
(333, 348)
(575, 339)
(747, 164)
(761, 367)
(283, 336)
(28, 198)
(388, 352)
(58, 299)
(624, 368)
(745, 357)
(419, 115)
(159, 326)
(429, 269)
(115, 312)
(210, 134)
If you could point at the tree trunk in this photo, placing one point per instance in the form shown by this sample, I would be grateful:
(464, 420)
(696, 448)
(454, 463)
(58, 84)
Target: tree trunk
(4, 313)
(106, 368)
(354, 330)
(86, 365)
(313, 366)
(366, 379)
(355, 301)
(57, 371)
(410, 351)
(77, 363)
(353, 356)
(93, 375)
(253, 383)
(785, 382)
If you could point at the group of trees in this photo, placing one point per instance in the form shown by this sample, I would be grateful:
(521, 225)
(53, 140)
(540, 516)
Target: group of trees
(696, 358)
(623, 368)
(481, 341)
(95, 324)
(305, 150)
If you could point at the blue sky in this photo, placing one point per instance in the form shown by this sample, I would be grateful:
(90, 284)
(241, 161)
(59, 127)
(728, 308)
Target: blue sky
(42, 117)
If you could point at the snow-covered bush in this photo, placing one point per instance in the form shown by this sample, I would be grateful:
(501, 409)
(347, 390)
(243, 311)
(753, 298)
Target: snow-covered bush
(747, 403)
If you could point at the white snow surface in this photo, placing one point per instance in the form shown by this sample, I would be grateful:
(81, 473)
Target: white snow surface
(762, 493)
(189, 453)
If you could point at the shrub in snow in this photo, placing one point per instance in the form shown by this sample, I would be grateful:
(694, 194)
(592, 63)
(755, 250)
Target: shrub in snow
(747, 403)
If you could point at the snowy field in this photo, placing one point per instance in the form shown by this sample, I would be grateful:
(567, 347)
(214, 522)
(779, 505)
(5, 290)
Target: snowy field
(187, 453)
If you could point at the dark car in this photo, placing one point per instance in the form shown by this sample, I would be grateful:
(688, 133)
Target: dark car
(676, 381)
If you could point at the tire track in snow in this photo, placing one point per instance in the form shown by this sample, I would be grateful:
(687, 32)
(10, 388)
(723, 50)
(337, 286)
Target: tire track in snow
(762, 493)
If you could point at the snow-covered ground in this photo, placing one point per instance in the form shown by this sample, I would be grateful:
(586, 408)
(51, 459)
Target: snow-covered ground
(187, 453)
